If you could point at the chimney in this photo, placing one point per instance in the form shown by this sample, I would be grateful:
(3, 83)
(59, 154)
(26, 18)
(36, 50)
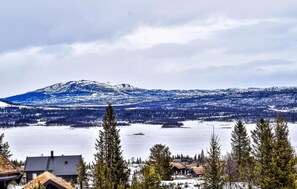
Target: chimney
(52, 154)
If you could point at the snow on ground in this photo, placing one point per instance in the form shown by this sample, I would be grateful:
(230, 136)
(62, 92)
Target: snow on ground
(3, 104)
(40, 140)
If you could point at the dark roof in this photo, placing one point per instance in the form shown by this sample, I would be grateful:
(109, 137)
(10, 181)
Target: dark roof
(36, 163)
(59, 165)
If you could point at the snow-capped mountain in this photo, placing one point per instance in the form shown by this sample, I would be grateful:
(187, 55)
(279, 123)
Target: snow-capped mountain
(80, 103)
(92, 93)
(88, 93)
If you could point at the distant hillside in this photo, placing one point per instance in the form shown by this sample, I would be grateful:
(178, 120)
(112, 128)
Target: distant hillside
(145, 105)
(91, 93)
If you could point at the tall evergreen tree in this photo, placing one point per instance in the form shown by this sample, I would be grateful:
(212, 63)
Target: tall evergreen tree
(82, 171)
(109, 162)
(150, 178)
(160, 158)
(4, 147)
(284, 157)
(214, 170)
(100, 177)
(241, 148)
(263, 151)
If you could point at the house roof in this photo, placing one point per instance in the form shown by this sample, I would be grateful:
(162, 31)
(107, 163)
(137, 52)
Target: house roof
(46, 178)
(198, 170)
(178, 165)
(6, 167)
(59, 165)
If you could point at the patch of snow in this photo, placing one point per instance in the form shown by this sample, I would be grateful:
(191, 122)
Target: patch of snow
(3, 104)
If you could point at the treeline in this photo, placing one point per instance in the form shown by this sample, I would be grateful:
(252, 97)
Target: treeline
(109, 169)
(266, 160)
(263, 159)
(87, 117)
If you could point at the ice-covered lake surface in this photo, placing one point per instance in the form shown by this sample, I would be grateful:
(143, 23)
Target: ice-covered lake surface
(195, 136)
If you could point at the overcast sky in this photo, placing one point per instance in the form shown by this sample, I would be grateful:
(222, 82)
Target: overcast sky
(167, 44)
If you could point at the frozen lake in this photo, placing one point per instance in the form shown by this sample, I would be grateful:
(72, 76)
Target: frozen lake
(38, 140)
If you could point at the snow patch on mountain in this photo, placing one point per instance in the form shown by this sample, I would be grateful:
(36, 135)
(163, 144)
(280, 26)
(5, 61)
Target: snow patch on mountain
(92, 93)
(4, 105)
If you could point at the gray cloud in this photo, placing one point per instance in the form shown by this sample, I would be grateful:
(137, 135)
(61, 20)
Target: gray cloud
(152, 44)
(33, 23)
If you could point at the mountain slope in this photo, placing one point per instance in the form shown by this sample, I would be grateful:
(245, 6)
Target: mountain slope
(90, 93)
(81, 103)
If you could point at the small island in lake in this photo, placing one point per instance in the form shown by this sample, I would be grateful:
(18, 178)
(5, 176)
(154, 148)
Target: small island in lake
(139, 134)
(172, 125)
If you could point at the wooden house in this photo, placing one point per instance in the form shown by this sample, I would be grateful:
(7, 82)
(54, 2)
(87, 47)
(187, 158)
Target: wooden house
(50, 181)
(197, 171)
(8, 172)
(179, 168)
(61, 166)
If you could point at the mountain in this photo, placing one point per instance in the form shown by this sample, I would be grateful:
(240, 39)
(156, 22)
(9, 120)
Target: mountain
(90, 93)
(86, 93)
(82, 103)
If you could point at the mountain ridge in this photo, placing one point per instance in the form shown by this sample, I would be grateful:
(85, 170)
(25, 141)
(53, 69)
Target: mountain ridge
(93, 93)
(81, 103)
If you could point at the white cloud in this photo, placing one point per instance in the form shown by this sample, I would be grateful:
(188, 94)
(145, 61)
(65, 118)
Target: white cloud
(201, 46)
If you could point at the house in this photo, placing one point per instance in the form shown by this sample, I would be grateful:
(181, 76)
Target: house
(50, 181)
(179, 168)
(61, 166)
(8, 172)
(197, 171)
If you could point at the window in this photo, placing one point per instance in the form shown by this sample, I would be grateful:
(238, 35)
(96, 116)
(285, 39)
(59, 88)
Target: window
(34, 175)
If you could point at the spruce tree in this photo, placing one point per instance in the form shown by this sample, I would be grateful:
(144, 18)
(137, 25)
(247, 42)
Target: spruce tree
(160, 158)
(284, 157)
(82, 171)
(263, 151)
(110, 165)
(241, 148)
(150, 178)
(4, 147)
(100, 178)
(120, 171)
(213, 172)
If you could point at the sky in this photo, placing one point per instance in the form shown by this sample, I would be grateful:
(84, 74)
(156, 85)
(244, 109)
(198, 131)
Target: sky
(167, 44)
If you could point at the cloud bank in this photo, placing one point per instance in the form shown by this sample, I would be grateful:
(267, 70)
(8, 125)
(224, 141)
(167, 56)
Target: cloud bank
(149, 44)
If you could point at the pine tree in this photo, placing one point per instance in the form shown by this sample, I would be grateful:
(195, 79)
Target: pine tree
(160, 158)
(82, 174)
(101, 180)
(120, 171)
(241, 148)
(284, 157)
(4, 147)
(263, 151)
(150, 179)
(213, 171)
(109, 162)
